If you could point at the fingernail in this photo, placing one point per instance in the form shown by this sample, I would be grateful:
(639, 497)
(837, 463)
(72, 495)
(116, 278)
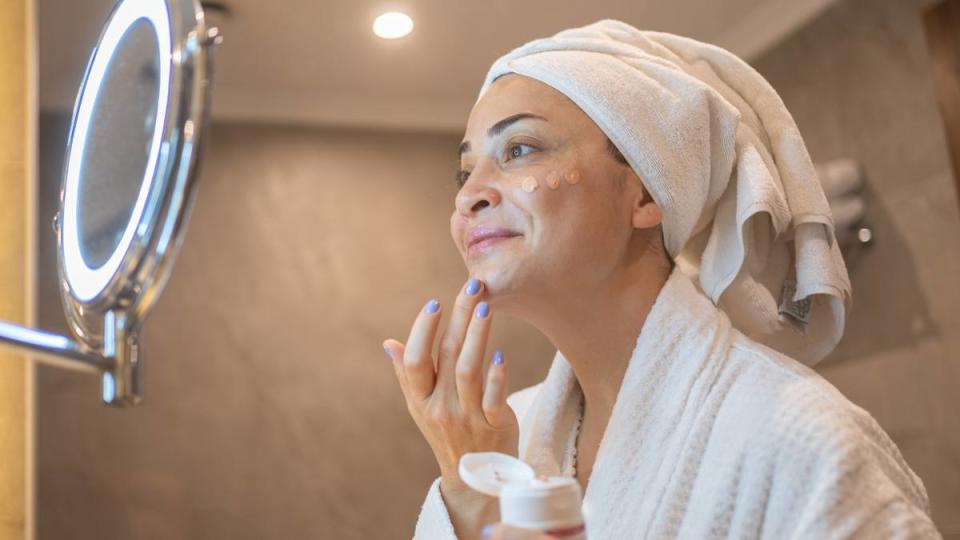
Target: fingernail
(483, 310)
(387, 350)
(487, 531)
(432, 306)
(473, 286)
(497, 358)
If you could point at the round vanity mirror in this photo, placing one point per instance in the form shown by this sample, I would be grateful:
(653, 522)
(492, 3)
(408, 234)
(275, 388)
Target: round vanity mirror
(114, 146)
(128, 184)
(129, 175)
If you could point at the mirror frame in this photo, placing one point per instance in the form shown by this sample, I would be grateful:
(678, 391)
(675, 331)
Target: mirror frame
(88, 285)
(107, 324)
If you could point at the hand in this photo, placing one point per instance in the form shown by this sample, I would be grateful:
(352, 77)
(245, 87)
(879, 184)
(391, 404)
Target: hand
(500, 531)
(449, 404)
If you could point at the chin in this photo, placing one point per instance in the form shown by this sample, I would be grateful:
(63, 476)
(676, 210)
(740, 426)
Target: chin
(503, 284)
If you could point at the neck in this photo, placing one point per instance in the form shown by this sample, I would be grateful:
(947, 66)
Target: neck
(596, 329)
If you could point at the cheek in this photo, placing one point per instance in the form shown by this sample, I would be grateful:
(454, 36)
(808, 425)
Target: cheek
(553, 179)
(557, 205)
(576, 219)
(561, 197)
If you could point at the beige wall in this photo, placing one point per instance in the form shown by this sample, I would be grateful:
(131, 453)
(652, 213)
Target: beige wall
(270, 410)
(858, 81)
(14, 170)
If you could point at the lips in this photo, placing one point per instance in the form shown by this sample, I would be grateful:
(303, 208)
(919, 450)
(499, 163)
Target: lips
(483, 235)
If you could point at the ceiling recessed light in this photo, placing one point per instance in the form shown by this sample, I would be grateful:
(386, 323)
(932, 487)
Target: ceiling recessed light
(392, 25)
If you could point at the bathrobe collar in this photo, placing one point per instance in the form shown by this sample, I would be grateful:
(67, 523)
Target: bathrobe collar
(678, 353)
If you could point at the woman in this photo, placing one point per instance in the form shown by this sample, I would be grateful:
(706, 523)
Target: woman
(646, 201)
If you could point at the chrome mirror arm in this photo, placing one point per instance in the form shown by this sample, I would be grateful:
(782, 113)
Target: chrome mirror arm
(52, 348)
(118, 365)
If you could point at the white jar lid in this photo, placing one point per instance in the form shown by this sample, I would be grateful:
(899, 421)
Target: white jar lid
(489, 472)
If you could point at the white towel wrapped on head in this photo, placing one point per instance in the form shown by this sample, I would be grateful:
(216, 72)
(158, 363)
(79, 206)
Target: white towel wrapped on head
(713, 143)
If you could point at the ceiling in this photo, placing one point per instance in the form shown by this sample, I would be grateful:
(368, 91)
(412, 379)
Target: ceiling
(318, 62)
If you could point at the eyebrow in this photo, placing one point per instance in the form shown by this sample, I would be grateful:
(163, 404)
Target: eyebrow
(498, 128)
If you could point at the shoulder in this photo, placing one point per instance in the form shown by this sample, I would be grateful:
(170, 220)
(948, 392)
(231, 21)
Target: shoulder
(787, 387)
(803, 429)
(791, 401)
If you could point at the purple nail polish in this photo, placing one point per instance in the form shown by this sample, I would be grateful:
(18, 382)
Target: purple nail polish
(497, 358)
(483, 309)
(387, 350)
(487, 531)
(432, 306)
(473, 286)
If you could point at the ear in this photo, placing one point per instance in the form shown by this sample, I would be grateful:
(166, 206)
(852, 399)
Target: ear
(646, 213)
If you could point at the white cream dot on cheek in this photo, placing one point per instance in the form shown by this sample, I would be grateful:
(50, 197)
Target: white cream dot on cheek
(573, 177)
(530, 184)
(553, 180)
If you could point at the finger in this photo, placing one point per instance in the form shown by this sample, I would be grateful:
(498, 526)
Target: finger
(417, 357)
(495, 393)
(469, 370)
(452, 340)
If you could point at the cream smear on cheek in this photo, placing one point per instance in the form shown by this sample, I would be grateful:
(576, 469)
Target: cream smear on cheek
(530, 184)
(553, 180)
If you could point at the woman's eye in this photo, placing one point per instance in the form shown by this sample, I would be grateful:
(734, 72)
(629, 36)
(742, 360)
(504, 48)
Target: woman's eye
(518, 150)
(513, 151)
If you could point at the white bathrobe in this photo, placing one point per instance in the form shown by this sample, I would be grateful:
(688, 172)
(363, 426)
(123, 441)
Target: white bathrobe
(716, 436)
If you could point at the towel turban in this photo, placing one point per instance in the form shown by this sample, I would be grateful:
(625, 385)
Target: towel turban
(744, 214)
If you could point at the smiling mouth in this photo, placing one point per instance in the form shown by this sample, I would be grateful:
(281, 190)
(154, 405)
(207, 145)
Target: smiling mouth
(486, 244)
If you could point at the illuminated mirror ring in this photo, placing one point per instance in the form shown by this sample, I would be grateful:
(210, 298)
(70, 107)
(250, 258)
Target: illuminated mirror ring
(86, 282)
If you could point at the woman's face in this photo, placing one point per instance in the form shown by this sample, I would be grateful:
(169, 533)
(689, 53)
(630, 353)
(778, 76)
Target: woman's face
(537, 173)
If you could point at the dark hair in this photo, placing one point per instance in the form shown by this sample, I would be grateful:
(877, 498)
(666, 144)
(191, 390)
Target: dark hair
(615, 152)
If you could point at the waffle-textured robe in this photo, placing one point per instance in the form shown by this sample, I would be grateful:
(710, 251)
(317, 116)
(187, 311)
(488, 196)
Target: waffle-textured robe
(716, 436)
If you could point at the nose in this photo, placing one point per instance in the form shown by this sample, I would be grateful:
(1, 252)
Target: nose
(476, 195)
